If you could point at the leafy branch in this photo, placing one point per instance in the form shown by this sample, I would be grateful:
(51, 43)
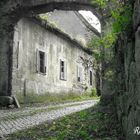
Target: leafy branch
(120, 17)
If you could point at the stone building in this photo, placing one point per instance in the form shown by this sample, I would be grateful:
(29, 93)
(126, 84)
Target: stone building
(70, 22)
(47, 60)
(74, 24)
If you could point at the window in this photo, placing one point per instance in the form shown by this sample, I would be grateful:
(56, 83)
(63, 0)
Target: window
(41, 62)
(63, 70)
(79, 74)
(18, 45)
(42, 67)
(18, 53)
(91, 78)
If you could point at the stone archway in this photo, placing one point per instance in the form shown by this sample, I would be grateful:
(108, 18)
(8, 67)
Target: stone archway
(13, 10)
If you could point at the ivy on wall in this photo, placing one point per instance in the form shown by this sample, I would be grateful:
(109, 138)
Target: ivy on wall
(118, 17)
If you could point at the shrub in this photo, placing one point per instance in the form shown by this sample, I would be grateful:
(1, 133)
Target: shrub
(93, 92)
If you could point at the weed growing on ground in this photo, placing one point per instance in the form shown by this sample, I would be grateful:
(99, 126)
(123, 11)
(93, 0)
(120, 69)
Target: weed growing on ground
(48, 98)
(89, 124)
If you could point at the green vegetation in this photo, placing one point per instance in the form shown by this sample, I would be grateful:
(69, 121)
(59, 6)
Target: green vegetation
(93, 92)
(100, 3)
(32, 98)
(45, 18)
(118, 19)
(119, 14)
(85, 125)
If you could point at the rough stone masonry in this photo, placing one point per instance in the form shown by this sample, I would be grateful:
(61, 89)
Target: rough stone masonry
(127, 80)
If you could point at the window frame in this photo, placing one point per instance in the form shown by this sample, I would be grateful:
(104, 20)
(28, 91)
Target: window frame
(45, 62)
(63, 70)
(91, 77)
(79, 74)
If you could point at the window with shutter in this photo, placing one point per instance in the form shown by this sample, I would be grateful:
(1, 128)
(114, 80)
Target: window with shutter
(79, 74)
(63, 70)
(91, 78)
(41, 62)
(37, 60)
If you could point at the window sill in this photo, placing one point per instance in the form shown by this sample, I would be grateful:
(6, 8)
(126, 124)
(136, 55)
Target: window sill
(63, 79)
(42, 73)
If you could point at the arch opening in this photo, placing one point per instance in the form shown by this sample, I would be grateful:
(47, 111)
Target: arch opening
(28, 10)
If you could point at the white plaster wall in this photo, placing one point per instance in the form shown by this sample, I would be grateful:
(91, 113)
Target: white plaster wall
(25, 77)
(71, 24)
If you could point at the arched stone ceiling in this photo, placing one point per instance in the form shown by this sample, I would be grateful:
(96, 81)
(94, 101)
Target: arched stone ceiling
(42, 6)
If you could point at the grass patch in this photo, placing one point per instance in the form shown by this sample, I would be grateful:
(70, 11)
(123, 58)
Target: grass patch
(47, 98)
(85, 125)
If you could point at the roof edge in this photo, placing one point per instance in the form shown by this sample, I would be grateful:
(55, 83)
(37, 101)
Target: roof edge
(87, 24)
(45, 24)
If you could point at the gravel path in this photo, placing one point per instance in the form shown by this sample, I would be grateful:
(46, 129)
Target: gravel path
(15, 120)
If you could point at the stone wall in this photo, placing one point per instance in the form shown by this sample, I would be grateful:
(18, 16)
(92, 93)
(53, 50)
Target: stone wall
(127, 80)
(29, 36)
(4, 52)
(4, 68)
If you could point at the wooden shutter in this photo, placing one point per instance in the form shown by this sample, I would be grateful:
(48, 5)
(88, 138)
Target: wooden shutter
(46, 63)
(65, 70)
(37, 60)
(60, 70)
(78, 73)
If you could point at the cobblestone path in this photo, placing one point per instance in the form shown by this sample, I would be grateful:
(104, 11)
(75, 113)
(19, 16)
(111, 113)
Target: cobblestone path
(19, 119)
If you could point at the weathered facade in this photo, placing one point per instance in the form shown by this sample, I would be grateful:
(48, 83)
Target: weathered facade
(71, 23)
(46, 60)
(11, 12)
